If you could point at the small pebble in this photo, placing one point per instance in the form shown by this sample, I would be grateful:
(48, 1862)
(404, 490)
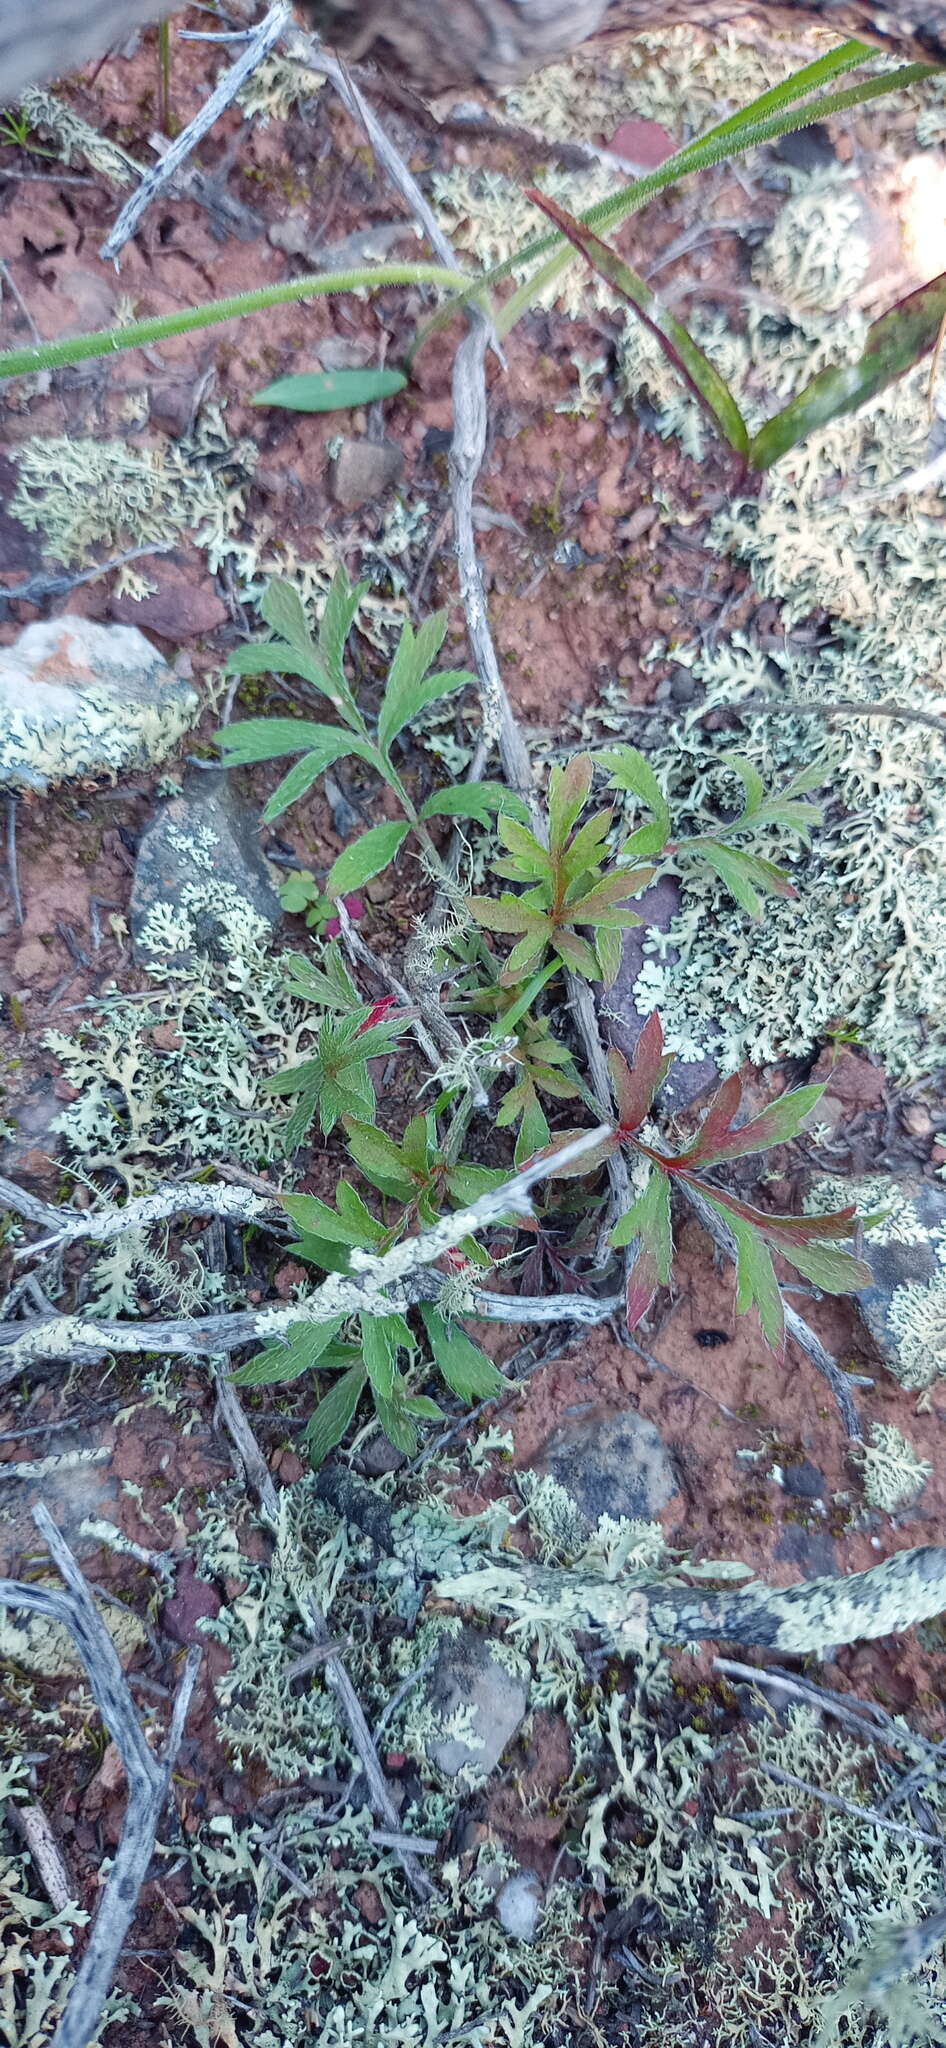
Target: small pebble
(519, 1905)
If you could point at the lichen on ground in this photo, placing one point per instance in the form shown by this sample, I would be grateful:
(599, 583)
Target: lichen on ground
(181, 1070)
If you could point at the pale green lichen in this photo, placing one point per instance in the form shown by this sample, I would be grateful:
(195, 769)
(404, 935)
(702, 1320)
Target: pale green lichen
(682, 78)
(87, 497)
(817, 255)
(182, 1070)
(865, 943)
(893, 1475)
(489, 215)
(76, 140)
(277, 88)
(78, 698)
(46, 1648)
(917, 1318)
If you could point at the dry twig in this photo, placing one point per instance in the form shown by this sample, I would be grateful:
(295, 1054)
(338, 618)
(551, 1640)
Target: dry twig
(148, 1777)
(160, 174)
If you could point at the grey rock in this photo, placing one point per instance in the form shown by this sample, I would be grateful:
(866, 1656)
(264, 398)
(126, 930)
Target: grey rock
(909, 1261)
(519, 1905)
(29, 1151)
(78, 698)
(198, 867)
(804, 1481)
(611, 1464)
(808, 1546)
(364, 470)
(468, 1674)
(624, 1022)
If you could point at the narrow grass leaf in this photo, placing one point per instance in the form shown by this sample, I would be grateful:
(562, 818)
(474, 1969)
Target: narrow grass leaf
(694, 367)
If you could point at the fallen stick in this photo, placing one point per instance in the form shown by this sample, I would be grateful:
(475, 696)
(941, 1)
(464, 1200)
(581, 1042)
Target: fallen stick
(374, 1286)
(334, 1673)
(148, 1776)
(223, 95)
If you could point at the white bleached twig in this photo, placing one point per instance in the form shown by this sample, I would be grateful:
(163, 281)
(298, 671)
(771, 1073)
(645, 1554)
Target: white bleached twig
(154, 181)
(148, 1776)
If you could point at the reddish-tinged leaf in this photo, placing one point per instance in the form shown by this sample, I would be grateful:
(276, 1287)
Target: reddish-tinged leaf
(568, 793)
(894, 343)
(649, 1219)
(641, 1287)
(717, 1120)
(837, 1272)
(756, 1281)
(634, 1091)
(576, 953)
(783, 1230)
(695, 368)
(506, 914)
(608, 894)
(775, 1125)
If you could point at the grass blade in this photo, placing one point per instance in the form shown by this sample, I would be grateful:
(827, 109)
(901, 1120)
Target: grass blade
(900, 338)
(694, 367)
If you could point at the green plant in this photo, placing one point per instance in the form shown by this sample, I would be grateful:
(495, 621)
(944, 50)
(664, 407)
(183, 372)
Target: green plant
(797, 1239)
(900, 338)
(894, 343)
(570, 881)
(411, 686)
(414, 1179)
(330, 390)
(16, 132)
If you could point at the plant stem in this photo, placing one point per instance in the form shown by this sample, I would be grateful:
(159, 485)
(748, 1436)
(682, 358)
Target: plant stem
(81, 348)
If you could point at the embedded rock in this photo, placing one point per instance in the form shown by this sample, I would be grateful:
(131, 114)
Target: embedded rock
(905, 1310)
(611, 1464)
(624, 1022)
(519, 1905)
(478, 1703)
(78, 698)
(364, 470)
(200, 879)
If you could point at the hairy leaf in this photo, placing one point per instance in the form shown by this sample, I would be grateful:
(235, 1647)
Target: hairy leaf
(635, 1087)
(333, 1415)
(365, 857)
(781, 1121)
(334, 746)
(629, 770)
(466, 1369)
(568, 794)
(302, 1349)
(479, 800)
(755, 1279)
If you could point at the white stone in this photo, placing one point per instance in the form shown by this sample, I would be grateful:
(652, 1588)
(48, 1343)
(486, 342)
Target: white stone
(519, 1905)
(77, 698)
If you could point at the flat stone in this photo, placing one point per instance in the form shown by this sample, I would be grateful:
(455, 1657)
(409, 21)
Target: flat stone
(183, 605)
(519, 1905)
(191, 1602)
(810, 1547)
(364, 470)
(469, 1674)
(914, 1261)
(804, 1481)
(198, 868)
(624, 1022)
(79, 698)
(611, 1464)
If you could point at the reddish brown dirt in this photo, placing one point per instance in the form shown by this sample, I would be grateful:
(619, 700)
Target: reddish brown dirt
(553, 483)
